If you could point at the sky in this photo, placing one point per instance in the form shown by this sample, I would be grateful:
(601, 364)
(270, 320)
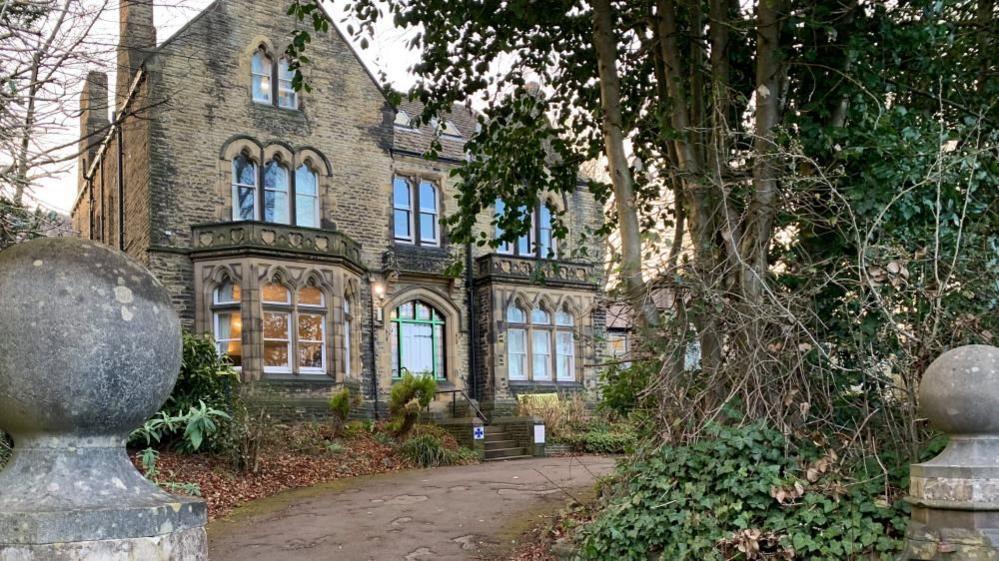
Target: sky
(386, 53)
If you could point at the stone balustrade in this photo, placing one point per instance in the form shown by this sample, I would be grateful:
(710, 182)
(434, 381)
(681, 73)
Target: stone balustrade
(515, 269)
(267, 238)
(90, 347)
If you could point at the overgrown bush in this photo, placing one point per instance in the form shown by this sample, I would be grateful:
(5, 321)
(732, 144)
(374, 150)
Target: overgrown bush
(409, 396)
(245, 437)
(740, 493)
(428, 450)
(198, 414)
(561, 415)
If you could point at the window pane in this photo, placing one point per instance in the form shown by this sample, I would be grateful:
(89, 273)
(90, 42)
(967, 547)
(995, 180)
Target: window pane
(400, 193)
(517, 350)
(287, 96)
(428, 227)
(546, 244)
(244, 171)
(276, 326)
(564, 350)
(245, 203)
(275, 354)
(515, 315)
(228, 333)
(275, 294)
(402, 224)
(276, 193)
(439, 350)
(306, 181)
(227, 293)
(417, 352)
(541, 355)
(310, 296)
(261, 63)
(305, 211)
(540, 317)
(428, 197)
(310, 327)
(346, 346)
(406, 311)
(563, 318)
(234, 350)
(261, 82)
(422, 311)
(310, 355)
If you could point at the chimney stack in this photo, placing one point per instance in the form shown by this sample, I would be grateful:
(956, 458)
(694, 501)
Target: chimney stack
(93, 119)
(137, 38)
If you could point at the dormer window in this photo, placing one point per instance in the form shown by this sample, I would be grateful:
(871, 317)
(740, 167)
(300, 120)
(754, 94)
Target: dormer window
(402, 119)
(451, 130)
(261, 81)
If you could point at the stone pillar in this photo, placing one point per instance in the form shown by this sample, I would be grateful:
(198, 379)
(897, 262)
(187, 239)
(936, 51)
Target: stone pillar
(955, 496)
(89, 348)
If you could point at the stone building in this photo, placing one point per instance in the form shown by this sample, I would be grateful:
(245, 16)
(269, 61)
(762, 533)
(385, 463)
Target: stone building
(302, 229)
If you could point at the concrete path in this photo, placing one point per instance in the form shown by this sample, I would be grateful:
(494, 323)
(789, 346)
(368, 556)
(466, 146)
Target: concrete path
(456, 513)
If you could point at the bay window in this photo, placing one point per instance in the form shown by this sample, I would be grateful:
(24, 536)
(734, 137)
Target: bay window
(310, 316)
(547, 347)
(276, 299)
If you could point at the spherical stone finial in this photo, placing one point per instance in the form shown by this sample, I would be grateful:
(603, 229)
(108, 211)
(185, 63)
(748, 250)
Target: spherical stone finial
(90, 347)
(960, 391)
(89, 340)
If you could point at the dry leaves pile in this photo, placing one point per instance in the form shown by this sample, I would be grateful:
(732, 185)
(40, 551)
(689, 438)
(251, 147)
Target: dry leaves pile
(224, 488)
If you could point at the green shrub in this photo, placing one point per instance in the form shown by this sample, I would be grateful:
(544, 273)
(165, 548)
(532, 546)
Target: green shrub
(198, 414)
(427, 450)
(205, 376)
(603, 441)
(738, 490)
(340, 404)
(188, 432)
(410, 395)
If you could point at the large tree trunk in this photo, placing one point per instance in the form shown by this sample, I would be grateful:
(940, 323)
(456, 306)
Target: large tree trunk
(605, 43)
(769, 81)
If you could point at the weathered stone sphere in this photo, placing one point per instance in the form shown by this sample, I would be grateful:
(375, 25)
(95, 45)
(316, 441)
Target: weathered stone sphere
(960, 391)
(89, 342)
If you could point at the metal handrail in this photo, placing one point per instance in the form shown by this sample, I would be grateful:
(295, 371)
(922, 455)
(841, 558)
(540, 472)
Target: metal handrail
(454, 404)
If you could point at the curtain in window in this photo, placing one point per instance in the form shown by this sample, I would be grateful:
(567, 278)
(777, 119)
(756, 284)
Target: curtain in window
(418, 340)
(565, 356)
(517, 345)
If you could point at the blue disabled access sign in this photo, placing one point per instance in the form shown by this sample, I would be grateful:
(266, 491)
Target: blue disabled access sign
(479, 433)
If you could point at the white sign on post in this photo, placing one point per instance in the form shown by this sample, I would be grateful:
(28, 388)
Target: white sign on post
(539, 434)
(479, 433)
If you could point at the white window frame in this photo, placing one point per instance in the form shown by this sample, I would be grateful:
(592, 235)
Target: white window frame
(286, 369)
(522, 356)
(285, 79)
(229, 308)
(299, 196)
(282, 308)
(407, 209)
(268, 77)
(236, 186)
(433, 213)
(552, 242)
(286, 191)
(348, 322)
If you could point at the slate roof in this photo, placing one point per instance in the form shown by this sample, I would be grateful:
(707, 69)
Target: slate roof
(460, 120)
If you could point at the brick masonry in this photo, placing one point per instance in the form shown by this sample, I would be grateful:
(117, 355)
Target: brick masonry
(190, 112)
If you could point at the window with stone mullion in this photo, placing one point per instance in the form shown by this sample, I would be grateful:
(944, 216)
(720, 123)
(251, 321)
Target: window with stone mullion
(416, 211)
